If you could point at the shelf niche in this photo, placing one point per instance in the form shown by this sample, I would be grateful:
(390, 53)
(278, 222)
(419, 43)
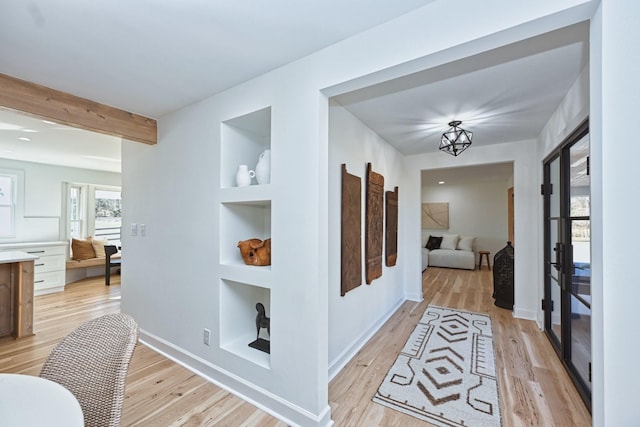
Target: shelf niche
(243, 221)
(243, 139)
(238, 319)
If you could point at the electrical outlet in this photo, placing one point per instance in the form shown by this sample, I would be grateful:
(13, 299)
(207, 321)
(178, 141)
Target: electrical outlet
(206, 337)
(143, 230)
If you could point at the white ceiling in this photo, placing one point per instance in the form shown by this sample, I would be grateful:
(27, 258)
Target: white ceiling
(504, 95)
(152, 57)
(56, 144)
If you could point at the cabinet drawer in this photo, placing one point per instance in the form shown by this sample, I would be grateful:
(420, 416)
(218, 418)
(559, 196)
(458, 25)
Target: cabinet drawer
(42, 251)
(45, 264)
(48, 280)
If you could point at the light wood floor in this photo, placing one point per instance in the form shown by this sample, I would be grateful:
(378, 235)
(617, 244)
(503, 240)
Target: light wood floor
(534, 388)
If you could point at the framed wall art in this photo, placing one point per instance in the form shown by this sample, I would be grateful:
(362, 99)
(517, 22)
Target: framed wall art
(435, 216)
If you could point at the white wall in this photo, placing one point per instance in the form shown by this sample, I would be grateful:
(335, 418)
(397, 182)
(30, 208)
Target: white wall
(354, 317)
(475, 209)
(172, 281)
(39, 209)
(615, 251)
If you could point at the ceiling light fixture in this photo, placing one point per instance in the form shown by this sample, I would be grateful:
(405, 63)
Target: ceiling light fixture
(24, 138)
(455, 140)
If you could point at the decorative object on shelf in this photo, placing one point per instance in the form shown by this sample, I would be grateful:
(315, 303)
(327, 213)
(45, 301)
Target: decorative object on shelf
(374, 226)
(391, 229)
(262, 321)
(455, 140)
(503, 277)
(435, 216)
(244, 176)
(351, 234)
(255, 251)
(263, 168)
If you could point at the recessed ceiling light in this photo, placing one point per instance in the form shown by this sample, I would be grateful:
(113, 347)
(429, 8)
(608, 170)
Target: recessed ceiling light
(49, 122)
(24, 138)
(440, 182)
(29, 130)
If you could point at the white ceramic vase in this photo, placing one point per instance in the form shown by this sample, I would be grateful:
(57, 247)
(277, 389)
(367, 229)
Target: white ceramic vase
(263, 168)
(244, 176)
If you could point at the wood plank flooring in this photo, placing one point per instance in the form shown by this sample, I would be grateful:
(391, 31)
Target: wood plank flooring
(159, 392)
(534, 388)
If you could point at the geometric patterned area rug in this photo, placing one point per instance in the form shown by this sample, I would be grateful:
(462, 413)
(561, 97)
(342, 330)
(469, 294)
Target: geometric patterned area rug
(446, 372)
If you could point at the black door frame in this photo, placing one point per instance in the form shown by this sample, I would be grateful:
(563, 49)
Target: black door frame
(565, 258)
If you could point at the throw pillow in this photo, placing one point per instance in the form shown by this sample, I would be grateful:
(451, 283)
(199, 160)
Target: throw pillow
(449, 241)
(98, 247)
(82, 249)
(466, 243)
(434, 242)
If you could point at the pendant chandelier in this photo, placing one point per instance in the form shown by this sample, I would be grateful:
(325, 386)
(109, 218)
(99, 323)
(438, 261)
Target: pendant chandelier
(455, 140)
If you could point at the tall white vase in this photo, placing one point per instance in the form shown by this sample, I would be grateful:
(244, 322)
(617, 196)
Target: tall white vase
(263, 168)
(244, 176)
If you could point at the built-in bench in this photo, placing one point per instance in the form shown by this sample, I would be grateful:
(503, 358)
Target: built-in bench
(112, 259)
(91, 262)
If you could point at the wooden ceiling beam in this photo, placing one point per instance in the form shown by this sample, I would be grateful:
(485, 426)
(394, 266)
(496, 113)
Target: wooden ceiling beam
(71, 110)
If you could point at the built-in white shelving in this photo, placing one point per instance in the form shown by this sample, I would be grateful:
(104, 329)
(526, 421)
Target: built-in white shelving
(245, 213)
(237, 319)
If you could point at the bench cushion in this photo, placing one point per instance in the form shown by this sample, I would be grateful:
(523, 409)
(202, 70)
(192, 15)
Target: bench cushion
(91, 262)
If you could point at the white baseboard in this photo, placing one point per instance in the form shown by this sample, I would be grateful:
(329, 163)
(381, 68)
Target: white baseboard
(280, 408)
(336, 365)
(522, 313)
(417, 297)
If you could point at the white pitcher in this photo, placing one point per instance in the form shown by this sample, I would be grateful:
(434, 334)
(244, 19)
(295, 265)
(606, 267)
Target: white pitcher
(263, 168)
(244, 176)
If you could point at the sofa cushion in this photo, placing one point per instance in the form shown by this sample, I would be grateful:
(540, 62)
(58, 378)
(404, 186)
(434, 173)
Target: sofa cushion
(433, 242)
(452, 259)
(449, 241)
(466, 243)
(82, 249)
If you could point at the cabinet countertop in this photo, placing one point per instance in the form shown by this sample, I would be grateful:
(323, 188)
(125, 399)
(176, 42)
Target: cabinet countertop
(20, 245)
(15, 256)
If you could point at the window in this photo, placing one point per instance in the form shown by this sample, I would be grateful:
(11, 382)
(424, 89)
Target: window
(7, 204)
(107, 214)
(94, 211)
(76, 223)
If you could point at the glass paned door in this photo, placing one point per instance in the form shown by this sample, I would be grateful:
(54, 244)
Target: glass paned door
(580, 244)
(567, 252)
(554, 251)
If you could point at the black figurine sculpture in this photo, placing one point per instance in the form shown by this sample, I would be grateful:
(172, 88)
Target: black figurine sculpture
(262, 321)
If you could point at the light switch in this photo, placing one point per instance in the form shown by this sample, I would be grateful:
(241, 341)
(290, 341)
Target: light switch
(134, 229)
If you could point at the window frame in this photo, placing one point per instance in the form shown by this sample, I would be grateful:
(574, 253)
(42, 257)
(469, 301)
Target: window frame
(13, 176)
(86, 208)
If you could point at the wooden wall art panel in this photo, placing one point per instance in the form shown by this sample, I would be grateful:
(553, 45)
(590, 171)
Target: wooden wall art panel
(374, 227)
(391, 229)
(351, 234)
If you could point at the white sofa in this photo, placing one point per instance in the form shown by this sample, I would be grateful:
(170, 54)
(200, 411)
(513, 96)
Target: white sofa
(454, 251)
